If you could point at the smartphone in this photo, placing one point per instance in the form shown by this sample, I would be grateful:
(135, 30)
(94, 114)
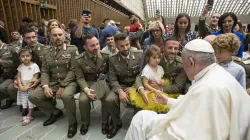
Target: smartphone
(86, 12)
(210, 2)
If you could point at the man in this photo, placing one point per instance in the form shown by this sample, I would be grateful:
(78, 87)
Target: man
(57, 81)
(205, 29)
(173, 70)
(16, 38)
(8, 69)
(30, 40)
(110, 48)
(91, 68)
(123, 69)
(3, 33)
(117, 24)
(215, 107)
(109, 29)
(84, 29)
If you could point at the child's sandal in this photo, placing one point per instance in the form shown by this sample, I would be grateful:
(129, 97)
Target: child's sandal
(27, 121)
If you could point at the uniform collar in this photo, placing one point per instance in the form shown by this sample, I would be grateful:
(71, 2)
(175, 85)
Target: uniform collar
(64, 47)
(226, 65)
(167, 61)
(127, 57)
(198, 76)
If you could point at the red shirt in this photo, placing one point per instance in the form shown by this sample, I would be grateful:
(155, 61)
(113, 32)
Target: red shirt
(134, 27)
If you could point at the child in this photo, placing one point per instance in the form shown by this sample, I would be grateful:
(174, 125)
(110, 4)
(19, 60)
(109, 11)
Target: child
(27, 71)
(152, 73)
(226, 46)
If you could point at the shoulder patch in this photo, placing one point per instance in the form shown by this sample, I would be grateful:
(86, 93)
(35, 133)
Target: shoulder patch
(138, 51)
(113, 55)
(104, 52)
(79, 56)
(71, 45)
(178, 59)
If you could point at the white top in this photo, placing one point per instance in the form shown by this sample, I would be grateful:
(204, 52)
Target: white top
(246, 55)
(27, 72)
(216, 107)
(149, 74)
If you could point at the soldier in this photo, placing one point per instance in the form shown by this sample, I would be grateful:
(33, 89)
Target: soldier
(57, 81)
(91, 68)
(8, 62)
(17, 38)
(173, 69)
(123, 69)
(30, 40)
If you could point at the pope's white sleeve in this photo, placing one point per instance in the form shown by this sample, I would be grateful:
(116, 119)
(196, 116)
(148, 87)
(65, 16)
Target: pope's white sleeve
(172, 102)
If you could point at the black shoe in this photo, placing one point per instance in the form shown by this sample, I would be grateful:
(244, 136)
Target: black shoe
(105, 128)
(72, 130)
(84, 129)
(53, 118)
(114, 129)
(8, 104)
(21, 108)
(25, 112)
(35, 109)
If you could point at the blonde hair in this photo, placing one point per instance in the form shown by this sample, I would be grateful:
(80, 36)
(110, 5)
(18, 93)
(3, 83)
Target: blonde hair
(48, 27)
(228, 42)
(156, 24)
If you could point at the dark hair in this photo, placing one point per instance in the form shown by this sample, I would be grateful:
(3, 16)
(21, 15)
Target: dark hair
(171, 39)
(106, 19)
(248, 28)
(28, 49)
(246, 44)
(15, 31)
(196, 28)
(176, 29)
(120, 36)
(86, 37)
(27, 19)
(108, 35)
(225, 15)
(27, 30)
(152, 50)
(33, 24)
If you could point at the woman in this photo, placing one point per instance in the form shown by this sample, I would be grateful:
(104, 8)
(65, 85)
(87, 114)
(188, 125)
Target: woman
(227, 23)
(53, 23)
(157, 35)
(239, 28)
(182, 30)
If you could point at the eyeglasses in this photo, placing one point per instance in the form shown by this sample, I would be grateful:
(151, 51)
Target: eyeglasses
(156, 30)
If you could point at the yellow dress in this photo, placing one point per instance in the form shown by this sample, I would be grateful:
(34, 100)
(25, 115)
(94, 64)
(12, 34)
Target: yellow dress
(137, 101)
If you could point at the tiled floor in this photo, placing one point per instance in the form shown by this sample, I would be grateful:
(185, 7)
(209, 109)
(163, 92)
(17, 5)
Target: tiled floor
(10, 126)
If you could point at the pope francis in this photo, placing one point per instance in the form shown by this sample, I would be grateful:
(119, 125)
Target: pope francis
(216, 107)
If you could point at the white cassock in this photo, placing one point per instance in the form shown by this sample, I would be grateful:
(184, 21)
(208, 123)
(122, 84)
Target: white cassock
(216, 107)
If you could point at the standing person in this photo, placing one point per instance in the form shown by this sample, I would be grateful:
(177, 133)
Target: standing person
(227, 22)
(71, 24)
(27, 72)
(84, 28)
(182, 31)
(208, 29)
(225, 46)
(109, 29)
(214, 90)
(3, 33)
(57, 81)
(91, 69)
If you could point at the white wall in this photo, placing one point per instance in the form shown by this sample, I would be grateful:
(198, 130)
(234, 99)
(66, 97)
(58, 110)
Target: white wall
(136, 6)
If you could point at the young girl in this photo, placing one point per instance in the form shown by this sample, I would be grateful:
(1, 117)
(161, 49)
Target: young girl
(152, 73)
(27, 71)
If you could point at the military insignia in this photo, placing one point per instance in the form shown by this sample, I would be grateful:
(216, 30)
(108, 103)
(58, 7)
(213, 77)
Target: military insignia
(39, 48)
(133, 57)
(77, 53)
(66, 56)
(88, 67)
